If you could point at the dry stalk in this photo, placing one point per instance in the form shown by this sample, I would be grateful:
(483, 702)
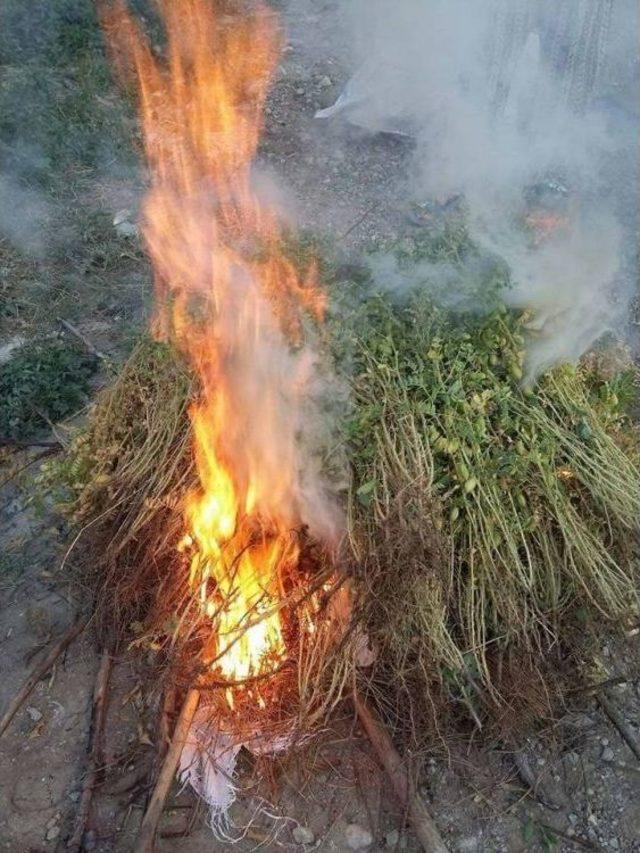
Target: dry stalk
(96, 759)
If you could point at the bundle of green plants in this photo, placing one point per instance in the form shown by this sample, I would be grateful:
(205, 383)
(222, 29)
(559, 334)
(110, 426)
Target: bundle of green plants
(489, 518)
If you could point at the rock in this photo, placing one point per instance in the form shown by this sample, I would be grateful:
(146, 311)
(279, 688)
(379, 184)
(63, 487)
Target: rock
(357, 837)
(573, 818)
(123, 224)
(325, 82)
(614, 844)
(608, 754)
(299, 90)
(604, 741)
(35, 715)
(303, 835)
(392, 839)
(52, 833)
(126, 229)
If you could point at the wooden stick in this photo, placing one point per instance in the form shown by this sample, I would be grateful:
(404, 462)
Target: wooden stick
(85, 340)
(421, 821)
(164, 738)
(610, 709)
(96, 753)
(147, 834)
(38, 672)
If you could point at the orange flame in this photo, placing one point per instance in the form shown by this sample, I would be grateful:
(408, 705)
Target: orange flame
(232, 302)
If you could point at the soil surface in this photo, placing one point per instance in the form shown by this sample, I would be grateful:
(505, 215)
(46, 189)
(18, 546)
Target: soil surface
(576, 786)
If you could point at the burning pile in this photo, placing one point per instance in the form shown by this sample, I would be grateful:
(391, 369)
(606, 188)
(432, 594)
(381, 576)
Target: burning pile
(216, 532)
(231, 302)
(502, 513)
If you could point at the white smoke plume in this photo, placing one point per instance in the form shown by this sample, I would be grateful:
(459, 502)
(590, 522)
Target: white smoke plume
(504, 95)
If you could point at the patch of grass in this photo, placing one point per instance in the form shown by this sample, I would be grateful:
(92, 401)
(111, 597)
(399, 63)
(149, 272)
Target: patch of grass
(58, 112)
(41, 384)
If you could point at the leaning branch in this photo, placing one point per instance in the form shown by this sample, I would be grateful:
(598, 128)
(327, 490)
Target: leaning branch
(39, 671)
(149, 826)
(421, 821)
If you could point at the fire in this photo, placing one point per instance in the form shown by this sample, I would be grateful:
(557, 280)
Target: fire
(232, 302)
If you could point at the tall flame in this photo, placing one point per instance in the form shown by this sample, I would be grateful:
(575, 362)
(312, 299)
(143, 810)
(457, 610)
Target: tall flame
(232, 302)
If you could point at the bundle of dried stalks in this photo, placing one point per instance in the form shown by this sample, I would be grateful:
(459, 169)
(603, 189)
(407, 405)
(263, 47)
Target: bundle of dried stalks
(126, 478)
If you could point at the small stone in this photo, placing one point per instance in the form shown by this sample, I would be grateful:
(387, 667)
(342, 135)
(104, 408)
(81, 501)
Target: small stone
(357, 837)
(303, 835)
(573, 818)
(52, 821)
(590, 792)
(392, 838)
(325, 82)
(35, 715)
(614, 844)
(126, 229)
(469, 844)
(299, 90)
(571, 832)
(52, 833)
(608, 754)
(604, 741)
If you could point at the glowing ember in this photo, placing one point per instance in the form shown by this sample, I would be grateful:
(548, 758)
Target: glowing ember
(232, 302)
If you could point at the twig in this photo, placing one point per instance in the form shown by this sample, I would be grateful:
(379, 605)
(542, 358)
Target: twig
(572, 839)
(146, 836)
(358, 221)
(610, 709)
(48, 451)
(535, 784)
(421, 821)
(96, 748)
(14, 444)
(39, 671)
(609, 682)
(85, 340)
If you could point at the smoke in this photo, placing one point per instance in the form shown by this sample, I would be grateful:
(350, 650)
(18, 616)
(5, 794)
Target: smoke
(529, 109)
(24, 216)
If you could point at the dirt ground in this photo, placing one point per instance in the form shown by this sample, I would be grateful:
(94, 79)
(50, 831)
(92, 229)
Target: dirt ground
(576, 786)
